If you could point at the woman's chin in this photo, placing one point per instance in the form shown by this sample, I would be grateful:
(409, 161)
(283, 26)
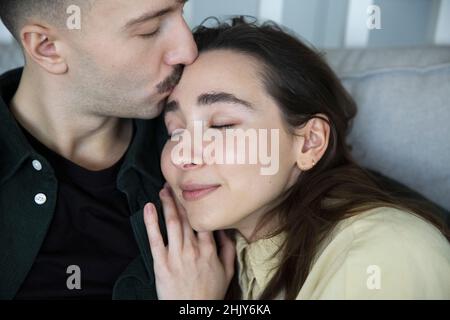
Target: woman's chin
(203, 225)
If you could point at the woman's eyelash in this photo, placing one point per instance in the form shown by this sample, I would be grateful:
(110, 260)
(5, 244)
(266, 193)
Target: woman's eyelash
(225, 126)
(218, 127)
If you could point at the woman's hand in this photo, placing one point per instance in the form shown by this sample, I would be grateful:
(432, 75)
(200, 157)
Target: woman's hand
(189, 268)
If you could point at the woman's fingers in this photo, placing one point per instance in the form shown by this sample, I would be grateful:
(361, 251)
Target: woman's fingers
(173, 224)
(227, 253)
(157, 246)
(183, 270)
(189, 237)
(206, 238)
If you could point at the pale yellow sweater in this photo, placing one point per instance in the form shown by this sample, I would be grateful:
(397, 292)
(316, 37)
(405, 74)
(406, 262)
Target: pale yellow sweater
(383, 253)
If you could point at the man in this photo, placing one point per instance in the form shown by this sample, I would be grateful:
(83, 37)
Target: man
(75, 169)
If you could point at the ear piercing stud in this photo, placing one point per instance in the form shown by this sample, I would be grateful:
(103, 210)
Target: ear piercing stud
(304, 167)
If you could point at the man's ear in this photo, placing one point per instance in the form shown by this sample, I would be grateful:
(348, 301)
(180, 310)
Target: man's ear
(312, 142)
(43, 48)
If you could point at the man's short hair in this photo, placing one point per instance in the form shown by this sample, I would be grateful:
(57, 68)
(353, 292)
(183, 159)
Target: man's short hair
(16, 13)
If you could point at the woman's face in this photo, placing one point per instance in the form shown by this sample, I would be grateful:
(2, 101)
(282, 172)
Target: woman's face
(223, 92)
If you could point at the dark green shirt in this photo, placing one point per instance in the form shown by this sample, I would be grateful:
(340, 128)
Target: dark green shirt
(25, 219)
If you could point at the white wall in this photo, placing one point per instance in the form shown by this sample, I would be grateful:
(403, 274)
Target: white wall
(342, 23)
(405, 23)
(336, 23)
(442, 34)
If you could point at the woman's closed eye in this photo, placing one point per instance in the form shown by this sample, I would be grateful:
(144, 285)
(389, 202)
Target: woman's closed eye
(171, 133)
(222, 126)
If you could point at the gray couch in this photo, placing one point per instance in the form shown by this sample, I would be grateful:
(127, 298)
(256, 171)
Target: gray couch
(10, 56)
(403, 126)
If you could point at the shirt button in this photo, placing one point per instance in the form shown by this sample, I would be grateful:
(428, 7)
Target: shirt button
(40, 198)
(37, 165)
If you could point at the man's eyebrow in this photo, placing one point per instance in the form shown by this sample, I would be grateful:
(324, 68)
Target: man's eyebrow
(217, 97)
(152, 15)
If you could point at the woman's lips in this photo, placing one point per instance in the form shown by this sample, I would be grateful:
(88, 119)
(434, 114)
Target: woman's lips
(196, 192)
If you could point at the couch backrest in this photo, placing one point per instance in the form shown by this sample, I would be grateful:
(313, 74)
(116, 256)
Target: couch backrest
(402, 129)
(10, 56)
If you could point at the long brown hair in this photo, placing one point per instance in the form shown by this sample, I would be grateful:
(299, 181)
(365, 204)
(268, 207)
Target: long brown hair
(304, 86)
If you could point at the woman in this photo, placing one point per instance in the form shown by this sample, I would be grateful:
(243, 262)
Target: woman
(320, 227)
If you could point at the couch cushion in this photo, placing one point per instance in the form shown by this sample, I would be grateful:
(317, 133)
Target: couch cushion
(403, 124)
(10, 56)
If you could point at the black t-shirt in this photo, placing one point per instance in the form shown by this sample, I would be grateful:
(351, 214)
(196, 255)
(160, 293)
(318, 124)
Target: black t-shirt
(90, 231)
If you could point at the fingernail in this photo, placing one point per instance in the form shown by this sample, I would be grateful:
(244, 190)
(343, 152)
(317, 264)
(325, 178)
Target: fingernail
(148, 209)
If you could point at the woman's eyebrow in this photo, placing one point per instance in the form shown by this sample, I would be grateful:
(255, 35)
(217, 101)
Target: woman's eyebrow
(224, 97)
(207, 99)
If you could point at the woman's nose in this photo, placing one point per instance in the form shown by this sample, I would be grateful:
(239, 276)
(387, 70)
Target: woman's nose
(190, 166)
(191, 163)
(188, 155)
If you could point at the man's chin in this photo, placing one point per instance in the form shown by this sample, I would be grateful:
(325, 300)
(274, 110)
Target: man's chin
(158, 109)
(150, 111)
(143, 113)
(153, 114)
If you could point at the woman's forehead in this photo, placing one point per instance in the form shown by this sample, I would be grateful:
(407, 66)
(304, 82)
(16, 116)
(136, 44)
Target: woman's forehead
(220, 71)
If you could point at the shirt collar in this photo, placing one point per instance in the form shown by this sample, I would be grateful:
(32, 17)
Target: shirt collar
(13, 144)
(258, 261)
(144, 152)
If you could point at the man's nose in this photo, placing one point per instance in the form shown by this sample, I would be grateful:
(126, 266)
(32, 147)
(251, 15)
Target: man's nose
(184, 50)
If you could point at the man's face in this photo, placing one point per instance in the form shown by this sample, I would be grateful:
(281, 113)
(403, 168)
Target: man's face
(128, 56)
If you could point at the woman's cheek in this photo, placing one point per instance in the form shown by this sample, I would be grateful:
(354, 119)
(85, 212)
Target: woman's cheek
(167, 167)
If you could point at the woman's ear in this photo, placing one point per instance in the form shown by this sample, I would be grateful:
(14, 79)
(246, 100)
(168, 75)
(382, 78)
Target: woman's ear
(312, 142)
(42, 47)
